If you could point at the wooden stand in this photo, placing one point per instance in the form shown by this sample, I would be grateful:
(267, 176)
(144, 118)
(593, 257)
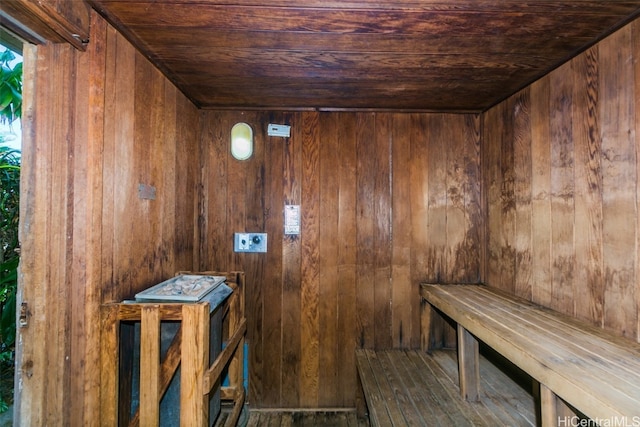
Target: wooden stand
(189, 349)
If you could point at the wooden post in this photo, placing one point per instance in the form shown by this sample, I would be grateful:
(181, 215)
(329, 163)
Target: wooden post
(236, 315)
(109, 369)
(237, 323)
(548, 407)
(468, 365)
(194, 405)
(150, 369)
(426, 314)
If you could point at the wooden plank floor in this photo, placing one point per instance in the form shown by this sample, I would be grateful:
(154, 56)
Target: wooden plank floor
(506, 394)
(302, 418)
(506, 391)
(309, 418)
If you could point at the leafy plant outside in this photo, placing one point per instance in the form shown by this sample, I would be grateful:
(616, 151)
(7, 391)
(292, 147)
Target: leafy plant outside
(9, 258)
(10, 110)
(10, 88)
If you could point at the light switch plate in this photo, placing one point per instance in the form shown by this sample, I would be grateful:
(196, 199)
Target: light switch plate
(250, 242)
(279, 130)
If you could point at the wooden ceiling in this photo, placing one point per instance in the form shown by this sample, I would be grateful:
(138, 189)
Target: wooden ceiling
(426, 55)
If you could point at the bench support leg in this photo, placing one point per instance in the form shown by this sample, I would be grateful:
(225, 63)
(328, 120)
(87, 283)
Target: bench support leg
(548, 407)
(361, 402)
(468, 365)
(426, 314)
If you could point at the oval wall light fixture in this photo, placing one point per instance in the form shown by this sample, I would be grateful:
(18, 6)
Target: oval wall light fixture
(241, 141)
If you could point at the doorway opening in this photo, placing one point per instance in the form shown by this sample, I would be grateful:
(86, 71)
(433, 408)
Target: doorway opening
(10, 153)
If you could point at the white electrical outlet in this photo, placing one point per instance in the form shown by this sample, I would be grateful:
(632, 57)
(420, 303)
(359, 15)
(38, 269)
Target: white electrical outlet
(250, 242)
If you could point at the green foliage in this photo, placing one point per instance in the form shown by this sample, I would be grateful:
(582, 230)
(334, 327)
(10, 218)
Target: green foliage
(9, 256)
(10, 110)
(9, 259)
(10, 88)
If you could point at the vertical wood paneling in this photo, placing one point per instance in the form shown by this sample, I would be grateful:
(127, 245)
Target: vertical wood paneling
(540, 185)
(350, 279)
(110, 125)
(562, 192)
(123, 167)
(347, 261)
(155, 139)
(419, 201)
(139, 212)
(468, 253)
(272, 283)
(463, 218)
(87, 229)
(291, 275)
(169, 155)
(522, 195)
(79, 298)
(58, 199)
(365, 218)
(437, 167)
(234, 205)
(507, 200)
(437, 217)
(588, 284)
(210, 219)
(87, 238)
(328, 248)
(492, 184)
(256, 221)
(31, 360)
(455, 215)
(402, 297)
(310, 266)
(617, 104)
(187, 178)
(382, 231)
(581, 120)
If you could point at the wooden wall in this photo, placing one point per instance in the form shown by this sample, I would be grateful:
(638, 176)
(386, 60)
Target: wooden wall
(562, 179)
(96, 124)
(387, 201)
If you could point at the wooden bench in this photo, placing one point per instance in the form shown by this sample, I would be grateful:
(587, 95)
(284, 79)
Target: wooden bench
(596, 373)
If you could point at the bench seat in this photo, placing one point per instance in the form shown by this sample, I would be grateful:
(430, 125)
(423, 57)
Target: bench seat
(593, 371)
